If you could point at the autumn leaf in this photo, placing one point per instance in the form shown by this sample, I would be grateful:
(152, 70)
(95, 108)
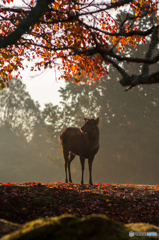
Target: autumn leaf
(73, 68)
(10, 76)
(55, 27)
(32, 2)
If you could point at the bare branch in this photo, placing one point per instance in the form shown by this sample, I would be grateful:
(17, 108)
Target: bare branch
(109, 6)
(141, 79)
(121, 70)
(130, 59)
(154, 41)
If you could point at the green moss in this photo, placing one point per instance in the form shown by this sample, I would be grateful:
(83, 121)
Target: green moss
(7, 227)
(143, 227)
(69, 227)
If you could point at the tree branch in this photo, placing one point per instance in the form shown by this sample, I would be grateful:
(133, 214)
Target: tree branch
(23, 27)
(141, 79)
(121, 70)
(16, 10)
(129, 59)
(125, 34)
(108, 6)
(154, 41)
(144, 78)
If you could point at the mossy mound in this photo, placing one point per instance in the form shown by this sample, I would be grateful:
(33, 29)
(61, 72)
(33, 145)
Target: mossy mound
(69, 227)
(7, 227)
(143, 227)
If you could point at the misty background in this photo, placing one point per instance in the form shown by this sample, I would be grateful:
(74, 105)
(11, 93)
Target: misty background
(128, 124)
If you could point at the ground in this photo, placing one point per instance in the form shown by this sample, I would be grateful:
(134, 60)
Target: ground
(133, 205)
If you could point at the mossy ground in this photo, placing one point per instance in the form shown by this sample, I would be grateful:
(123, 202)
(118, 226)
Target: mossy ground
(69, 227)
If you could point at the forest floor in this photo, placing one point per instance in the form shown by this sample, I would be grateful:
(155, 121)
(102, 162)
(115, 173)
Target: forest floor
(126, 203)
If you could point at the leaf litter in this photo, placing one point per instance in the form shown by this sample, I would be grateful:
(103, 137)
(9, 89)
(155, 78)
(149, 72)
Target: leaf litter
(126, 203)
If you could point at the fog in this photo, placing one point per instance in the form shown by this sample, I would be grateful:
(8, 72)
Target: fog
(128, 124)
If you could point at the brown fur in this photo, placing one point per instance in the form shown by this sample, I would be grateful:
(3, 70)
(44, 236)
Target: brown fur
(83, 142)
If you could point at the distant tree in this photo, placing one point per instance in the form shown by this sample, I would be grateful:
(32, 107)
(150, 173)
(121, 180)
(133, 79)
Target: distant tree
(85, 35)
(21, 161)
(18, 110)
(45, 145)
(52, 118)
(26, 151)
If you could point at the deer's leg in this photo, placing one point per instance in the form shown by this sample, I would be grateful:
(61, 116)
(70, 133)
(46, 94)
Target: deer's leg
(82, 160)
(65, 154)
(71, 157)
(90, 160)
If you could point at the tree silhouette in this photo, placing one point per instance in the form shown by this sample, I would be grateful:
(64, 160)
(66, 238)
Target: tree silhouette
(26, 150)
(18, 110)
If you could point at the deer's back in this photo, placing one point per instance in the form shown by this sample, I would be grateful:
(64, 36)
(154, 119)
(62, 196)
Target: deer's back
(77, 142)
(71, 136)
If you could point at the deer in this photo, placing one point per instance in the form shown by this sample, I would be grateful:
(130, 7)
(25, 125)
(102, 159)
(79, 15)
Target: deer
(83, 142)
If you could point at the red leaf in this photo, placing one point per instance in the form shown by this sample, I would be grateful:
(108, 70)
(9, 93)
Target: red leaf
(10, 76)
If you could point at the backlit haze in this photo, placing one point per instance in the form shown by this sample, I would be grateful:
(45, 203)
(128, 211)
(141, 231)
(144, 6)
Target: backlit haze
(43, 86)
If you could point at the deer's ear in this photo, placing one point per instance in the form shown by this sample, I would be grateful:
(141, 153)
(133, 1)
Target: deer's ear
(85, 119)
(97, 120)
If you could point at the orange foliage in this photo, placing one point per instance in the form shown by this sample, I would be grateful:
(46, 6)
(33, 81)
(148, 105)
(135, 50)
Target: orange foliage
(61, 33)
